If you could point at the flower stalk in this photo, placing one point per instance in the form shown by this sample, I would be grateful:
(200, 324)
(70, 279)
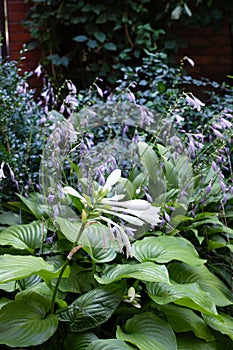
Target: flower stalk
(73, 251)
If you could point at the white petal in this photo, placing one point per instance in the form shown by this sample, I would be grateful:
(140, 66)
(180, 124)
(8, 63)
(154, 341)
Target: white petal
(134, 204)
(117, 197)
(73, 192)
(151, 215)
(113, 178)
(131, 219)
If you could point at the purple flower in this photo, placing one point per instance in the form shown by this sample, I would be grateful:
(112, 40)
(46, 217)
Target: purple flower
(208, 188)
(214, 166)
(222, 185)
(194, 102)
(217, 133)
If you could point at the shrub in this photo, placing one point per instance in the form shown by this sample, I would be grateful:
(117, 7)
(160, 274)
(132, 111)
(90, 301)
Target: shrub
(21, 137)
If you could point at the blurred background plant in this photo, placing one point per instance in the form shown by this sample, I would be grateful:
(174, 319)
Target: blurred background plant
(21, 136)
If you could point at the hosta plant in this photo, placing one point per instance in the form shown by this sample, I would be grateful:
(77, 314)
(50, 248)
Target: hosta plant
(104, 273)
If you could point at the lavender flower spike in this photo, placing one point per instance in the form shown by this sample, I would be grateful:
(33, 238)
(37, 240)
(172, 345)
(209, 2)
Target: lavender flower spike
(194, 102)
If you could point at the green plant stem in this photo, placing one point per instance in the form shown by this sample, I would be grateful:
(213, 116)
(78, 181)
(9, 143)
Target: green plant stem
(74, 249)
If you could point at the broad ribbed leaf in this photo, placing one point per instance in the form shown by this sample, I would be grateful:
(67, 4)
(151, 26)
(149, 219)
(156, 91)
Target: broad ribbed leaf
(189, 295)
(9, 218)
(187, 342)
(29, 237)
(40, 293)
(35, 206)
(79, 341)
(16, 267)
(96, 239)
(148, 332)
(4, 301)
(23, 323)
(146, 271)
(92, 308)
(225, 325)
(184, 320)
(8, 286)
(109, 344)
(217, 290)
(163, 249)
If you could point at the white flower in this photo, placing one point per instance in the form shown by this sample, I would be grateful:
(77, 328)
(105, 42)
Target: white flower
(135, 211)
(2, 175)
(113, 178)
(74, 193)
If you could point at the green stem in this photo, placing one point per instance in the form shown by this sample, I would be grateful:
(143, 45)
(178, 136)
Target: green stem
(74, 249)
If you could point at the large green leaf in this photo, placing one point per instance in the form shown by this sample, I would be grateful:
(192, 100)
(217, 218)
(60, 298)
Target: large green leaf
(96, 239)
(93, 308)
(16, 267)
(35, 205)
(145, 271)
(189, 295)
(184, 320)
(40, 293)
(188, 342)
(29, 237)
(109, 344)
(218, 292)
(225, 325)
(79, 341)
(23, 323)
(4, 301)
(9, 218)
(8, 286)
(148, 332)
(163, 249)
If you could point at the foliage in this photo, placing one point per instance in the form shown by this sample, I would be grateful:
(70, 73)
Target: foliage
(63, 263)
(82, 39)
(20, 133)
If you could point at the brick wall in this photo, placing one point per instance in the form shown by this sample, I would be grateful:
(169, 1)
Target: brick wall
(18, 36)
(211, 50)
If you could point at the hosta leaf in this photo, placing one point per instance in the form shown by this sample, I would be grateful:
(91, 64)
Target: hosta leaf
(184, 320)
(29, 237)
(146, 271)
(189, 294)
(188, 342)
(93, 308)
(9, 218)
(4, 301)
(225, 325)
(208, 282)
(40, 293)
(8, 286)
(96, 239)
(148, 332)
(149, 159)
(23, 323)
(163, 249)
(16, 267)
(79, 341)
(109, 344)
(34, 206)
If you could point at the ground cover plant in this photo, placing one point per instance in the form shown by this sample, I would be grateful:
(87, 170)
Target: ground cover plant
(130, 248)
